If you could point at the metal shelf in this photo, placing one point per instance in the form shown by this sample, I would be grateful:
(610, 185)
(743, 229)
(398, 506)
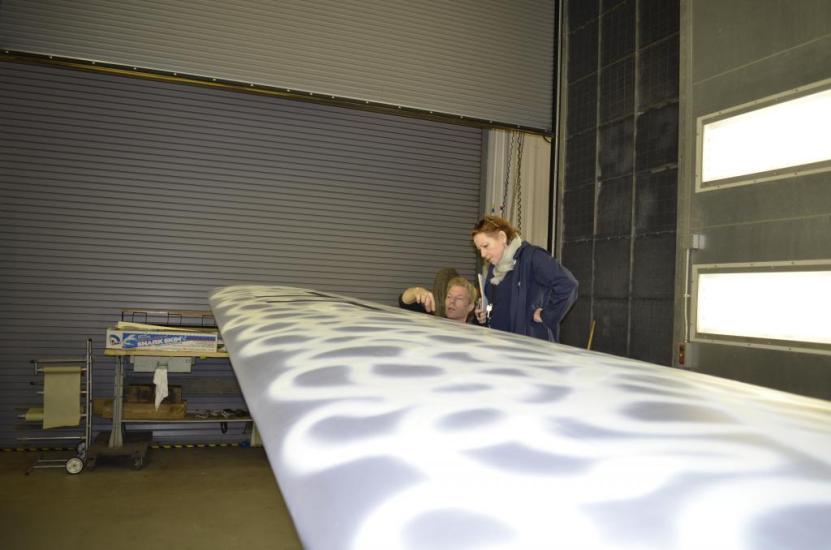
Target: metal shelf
(188, 419)
(159, 353)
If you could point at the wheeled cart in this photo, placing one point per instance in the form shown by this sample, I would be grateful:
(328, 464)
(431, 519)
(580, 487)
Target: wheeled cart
(47, 367)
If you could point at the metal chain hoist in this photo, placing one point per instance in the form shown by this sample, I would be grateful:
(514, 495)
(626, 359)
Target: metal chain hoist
(503, 208)
(516, 142)
(517, 196)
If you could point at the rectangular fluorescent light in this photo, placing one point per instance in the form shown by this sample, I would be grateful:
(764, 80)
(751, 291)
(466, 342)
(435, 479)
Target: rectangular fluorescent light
(786, 134)
(773, 305)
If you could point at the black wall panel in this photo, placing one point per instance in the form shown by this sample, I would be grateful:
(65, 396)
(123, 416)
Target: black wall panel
(654, 270)
(616, 148)
(614, 204)
(617, 90)
(578, 213)
(611, 275)
(578, 256)
(577, 324)
(606, 5)
(658, 73)
(657, 19)
(582, 96)
(651, 331)
(656, 200)
(611, 317)
(629, 158)
(617, 32)
(580, 13)
(582, 59)
(581, 159)
(657, 140)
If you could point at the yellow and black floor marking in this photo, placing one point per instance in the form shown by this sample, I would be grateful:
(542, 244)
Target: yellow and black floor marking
(191, 445)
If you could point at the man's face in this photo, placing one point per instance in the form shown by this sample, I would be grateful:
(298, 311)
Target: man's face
(458, 304)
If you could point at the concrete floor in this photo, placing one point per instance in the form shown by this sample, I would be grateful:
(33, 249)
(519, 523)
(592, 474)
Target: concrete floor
(190, 498)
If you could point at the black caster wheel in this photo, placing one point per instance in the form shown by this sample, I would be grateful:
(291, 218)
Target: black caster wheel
(138, 462)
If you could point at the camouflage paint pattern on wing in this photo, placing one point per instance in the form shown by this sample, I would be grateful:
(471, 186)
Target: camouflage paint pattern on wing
(393, 430)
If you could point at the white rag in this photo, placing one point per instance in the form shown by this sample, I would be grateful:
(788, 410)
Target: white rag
(160, 379)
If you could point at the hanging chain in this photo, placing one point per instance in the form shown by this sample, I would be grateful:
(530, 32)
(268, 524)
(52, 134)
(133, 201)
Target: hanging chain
(517, 195)
(516, 142)
(503, 209)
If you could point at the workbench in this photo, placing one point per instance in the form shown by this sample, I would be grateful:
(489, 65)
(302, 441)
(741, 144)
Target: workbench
(135, 443)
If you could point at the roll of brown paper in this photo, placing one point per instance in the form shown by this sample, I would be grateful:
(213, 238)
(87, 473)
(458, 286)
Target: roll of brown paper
(61, 396)
(35, 414)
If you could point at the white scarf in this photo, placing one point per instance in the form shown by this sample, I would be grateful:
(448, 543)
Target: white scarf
(506, 263)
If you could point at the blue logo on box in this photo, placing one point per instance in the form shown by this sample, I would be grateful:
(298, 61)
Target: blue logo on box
(135, 340)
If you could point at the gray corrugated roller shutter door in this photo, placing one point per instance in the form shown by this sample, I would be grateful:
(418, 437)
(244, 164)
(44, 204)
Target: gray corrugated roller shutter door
(128, 193)
(483, 59)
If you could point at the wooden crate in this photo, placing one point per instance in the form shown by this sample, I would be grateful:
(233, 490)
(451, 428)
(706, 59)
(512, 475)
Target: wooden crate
(140, 411)
(146, 393)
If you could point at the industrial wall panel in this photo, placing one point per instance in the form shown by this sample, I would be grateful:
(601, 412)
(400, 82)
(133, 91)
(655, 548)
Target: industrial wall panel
(770, 368)
(654, 267)
(578, 213)
(798, 66)
(657, 138)
(803, 239)
(580, 13)
(582, 105)
(616, 148)
(740, 52)
(606, 5)
(617, 90)
(127, 193)
(656, 200)
(576, 326)
(658, 73)
(578, 256)
(581, 160)
(629, 158)
(582, 54)
(651, 331)
(611, 317)
(612, 272)
(483, 59)
(614, 208)
(617, 32)
(741, 33)
(798, 196)
(657, 19)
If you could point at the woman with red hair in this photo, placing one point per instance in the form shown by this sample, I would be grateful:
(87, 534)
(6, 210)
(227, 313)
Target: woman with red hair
(530, 291)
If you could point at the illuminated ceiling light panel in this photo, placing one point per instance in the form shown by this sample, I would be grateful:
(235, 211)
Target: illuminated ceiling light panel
(791, 133)
(784, 305)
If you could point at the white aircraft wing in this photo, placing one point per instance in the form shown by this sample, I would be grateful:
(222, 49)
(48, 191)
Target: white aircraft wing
(393, 430)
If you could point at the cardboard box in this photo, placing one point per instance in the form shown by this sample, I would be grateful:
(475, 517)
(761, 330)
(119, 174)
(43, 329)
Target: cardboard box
(149, 363)
(161, 340)
(140, 411)
(146, 393)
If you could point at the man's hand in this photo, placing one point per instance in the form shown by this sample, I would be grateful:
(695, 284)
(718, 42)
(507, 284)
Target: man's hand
(421, 296)
(538, 315)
